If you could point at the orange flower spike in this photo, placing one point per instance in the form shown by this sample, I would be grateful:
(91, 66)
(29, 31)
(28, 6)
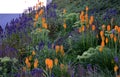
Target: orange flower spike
(36, 16)
(62, 50)
(86, 8)
(101, 33)
(43, 20)
(82, 18)
(28, 65)
(108, 28)
(83, 28)
(102, 43)
(106, 40)
(26, 60)
(36, 63)
(93, 27)
(116, 27)
(115, 39)
(91, 20)
(41, 12)
(50, 64)
(100, 49)
(45, 25)
(115, 68)
(64, 25)
(30, 58)
(33, 53)
(111, 35)
(103, 38)
(57, 48)
(56, 61)
(103, 27)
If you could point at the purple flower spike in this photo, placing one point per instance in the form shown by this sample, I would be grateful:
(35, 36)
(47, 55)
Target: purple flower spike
(116, 59)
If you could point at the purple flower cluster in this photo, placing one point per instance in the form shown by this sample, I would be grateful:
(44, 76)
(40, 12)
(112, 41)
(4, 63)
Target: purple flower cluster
(110, 13)
(33, 73)
(8, 51)
(51, 11)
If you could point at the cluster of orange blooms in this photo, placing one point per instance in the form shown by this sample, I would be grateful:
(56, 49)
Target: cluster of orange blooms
(44, 24)
(49, 64)
(84, 19)
(28, 59)
(112, 36)
(59, 49)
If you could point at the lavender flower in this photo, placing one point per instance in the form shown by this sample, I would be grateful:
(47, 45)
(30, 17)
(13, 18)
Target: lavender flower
(41, 45)
(116, 59)
(37, 73)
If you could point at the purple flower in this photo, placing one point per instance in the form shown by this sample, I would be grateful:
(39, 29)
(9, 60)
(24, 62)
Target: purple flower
(49, 45)
(116, 59)
(37, 72)
(41, 45)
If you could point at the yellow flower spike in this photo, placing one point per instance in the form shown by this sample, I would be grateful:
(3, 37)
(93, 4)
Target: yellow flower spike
(83, 28)
(36, 17)
(102, 43)
(45, 25)
(91, 20)
(64, 25)
(30, 58)
(111, 35)
(103, 38)
(108, 28)
(43, 20)
(28, 65)
(33, 52)
(26, 60)
(100, 49)
(106, 40)
(115, 68)
(101, 33)
(82, 17)
(56, 61)
(103, 27)
(86, 8)
(57, 48)
(41, 12)
(115, 39)
(116, 27)
(61, 48)
(35, 63)
(93, 27)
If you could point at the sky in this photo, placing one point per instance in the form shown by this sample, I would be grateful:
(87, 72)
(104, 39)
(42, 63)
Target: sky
(16, 6)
